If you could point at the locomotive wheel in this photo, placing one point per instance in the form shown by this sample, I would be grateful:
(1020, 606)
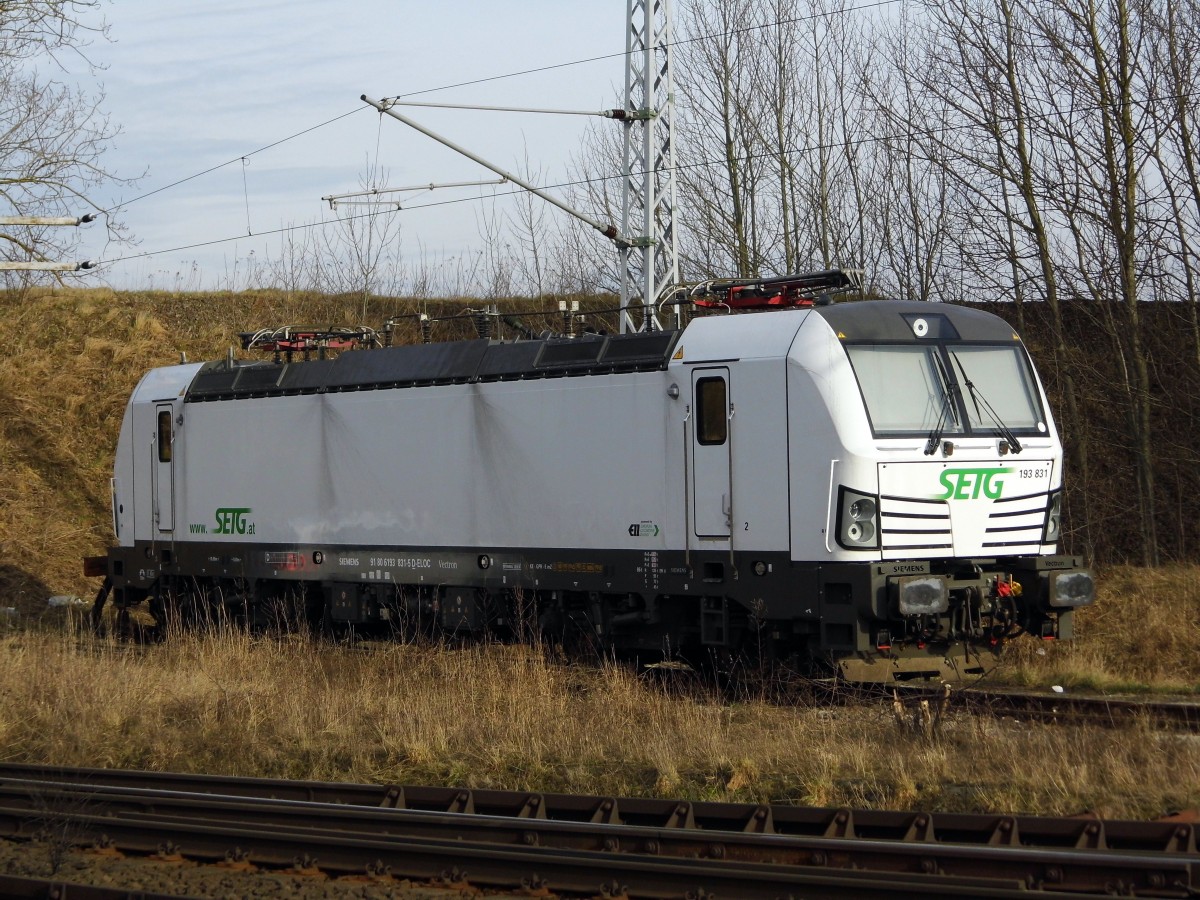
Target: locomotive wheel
(124, 625)
(98, 607)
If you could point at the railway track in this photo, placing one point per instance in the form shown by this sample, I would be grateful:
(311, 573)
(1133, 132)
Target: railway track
(1048, 706)
(1055, 708)
(603, 846)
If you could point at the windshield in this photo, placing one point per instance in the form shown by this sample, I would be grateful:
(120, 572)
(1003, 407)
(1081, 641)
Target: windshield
(919, 388)
(1003, 378)
(903, 388)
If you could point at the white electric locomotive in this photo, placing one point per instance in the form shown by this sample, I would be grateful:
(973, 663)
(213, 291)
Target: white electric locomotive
(871, 485)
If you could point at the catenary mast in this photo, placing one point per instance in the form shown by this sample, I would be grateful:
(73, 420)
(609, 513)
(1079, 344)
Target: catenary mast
(646, 243)
(648, 258)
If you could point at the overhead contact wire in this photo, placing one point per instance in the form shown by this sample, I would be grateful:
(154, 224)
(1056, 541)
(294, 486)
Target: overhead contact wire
(486, 80)
(219, 166)
(832, 145)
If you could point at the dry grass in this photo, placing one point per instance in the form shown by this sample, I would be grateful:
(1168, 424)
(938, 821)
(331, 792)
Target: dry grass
(505, 717)
(1142, 634)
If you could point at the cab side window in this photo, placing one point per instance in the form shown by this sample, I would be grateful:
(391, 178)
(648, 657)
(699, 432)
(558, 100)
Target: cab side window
(164, 435)
(712, 418)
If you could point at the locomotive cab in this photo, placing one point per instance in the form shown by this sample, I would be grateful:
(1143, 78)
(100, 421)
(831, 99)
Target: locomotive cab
(944, 491)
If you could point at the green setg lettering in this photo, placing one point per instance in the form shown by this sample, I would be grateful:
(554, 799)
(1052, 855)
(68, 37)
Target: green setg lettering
(969, 484)
(232, 520)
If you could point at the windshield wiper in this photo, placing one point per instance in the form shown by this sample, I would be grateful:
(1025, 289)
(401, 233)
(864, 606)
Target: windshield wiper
(977, 398)
(935, 436)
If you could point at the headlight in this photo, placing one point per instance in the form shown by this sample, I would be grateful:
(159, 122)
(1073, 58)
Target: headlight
(921, 595)
(862, 509)
(858, 520)
(1053, 526)
(1072, 589)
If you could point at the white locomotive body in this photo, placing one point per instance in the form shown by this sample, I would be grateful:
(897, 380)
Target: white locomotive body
(874, 485)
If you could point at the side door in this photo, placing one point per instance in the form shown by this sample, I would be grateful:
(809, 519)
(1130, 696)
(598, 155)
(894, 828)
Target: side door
(162, 467)
(711, 449)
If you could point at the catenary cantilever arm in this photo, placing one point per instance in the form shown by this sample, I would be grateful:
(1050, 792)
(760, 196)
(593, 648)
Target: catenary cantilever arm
(609, 230)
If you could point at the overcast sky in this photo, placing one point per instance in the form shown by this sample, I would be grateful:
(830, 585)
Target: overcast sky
(196, 85)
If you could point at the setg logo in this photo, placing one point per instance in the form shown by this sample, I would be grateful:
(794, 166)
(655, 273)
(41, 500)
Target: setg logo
(969, 484)
(232, 520)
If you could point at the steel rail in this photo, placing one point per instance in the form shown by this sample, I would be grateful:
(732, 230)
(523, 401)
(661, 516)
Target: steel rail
(557, 870)
(1050, 707)
(971, 828)
(1011, 861)
(1167, 836)
(1156, 859)
(1063, 708)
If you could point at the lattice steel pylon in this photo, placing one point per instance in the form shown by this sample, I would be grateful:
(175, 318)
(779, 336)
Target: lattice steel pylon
(649, 257)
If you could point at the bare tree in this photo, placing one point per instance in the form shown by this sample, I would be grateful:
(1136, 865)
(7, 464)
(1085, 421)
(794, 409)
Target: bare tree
(777, 173)
(716, 87)
(532, 232)
(497, 259)
(292, 270)
(1098, 97)
(916, 202)
(582, 258)
(1175, 37)
(361, 254)
(52, 135)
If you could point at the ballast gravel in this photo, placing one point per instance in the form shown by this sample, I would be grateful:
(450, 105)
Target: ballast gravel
(43, 859)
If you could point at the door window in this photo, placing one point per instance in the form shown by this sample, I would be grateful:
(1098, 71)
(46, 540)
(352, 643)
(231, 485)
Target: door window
(164, 435)
(712, 419)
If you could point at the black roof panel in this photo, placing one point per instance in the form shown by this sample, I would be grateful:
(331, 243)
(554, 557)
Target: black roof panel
(456, 362)
(401, 366)
(893, 320)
